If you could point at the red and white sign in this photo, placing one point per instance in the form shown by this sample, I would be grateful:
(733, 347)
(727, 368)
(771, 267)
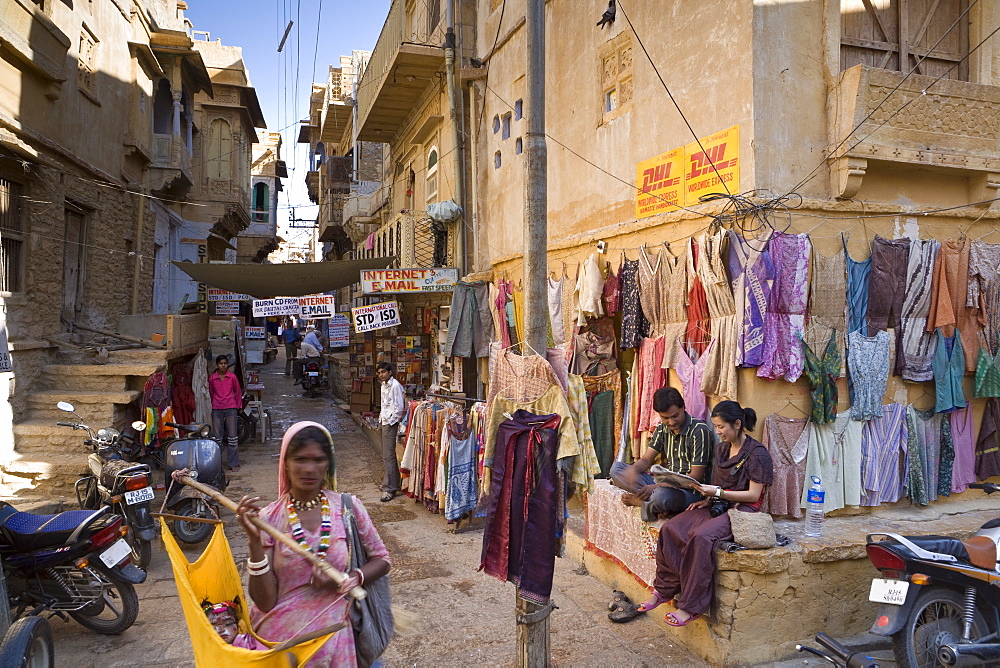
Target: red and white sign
(255, 332)
(317, 307)
(376, 316)
(227, 308)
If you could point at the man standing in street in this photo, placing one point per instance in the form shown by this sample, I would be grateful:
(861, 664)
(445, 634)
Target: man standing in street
(393, 410)
(290, 335)
(683, 444)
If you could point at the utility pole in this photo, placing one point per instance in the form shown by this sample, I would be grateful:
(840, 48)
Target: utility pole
(456, 131)
(533, 619)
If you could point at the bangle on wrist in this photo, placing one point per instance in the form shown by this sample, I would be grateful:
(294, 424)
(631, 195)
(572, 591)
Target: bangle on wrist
(361, 575)
(257, 565)
(259, 571)
(718, 492)
(722, 493)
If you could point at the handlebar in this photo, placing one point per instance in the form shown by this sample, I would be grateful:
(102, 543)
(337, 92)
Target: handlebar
(184, 427)
(841, 655)
(67, 424)
(987, 487)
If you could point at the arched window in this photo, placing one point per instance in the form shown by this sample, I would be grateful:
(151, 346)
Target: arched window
(261, 202)
(220, 150)
(431, 192)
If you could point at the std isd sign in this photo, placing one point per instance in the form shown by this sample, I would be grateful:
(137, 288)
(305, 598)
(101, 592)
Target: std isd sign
(397, 281)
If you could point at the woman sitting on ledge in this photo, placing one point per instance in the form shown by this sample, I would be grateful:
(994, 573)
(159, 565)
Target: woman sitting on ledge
(685, 555)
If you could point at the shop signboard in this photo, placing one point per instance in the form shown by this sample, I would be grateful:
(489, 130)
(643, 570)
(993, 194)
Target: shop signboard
(278, 306)
(340, 331)
(227, 308)
(217, 295)
(710, 165)
(255, 332)
(317, 307)
(376, 316)
(5, 364)
(660, 184)
(401, 281)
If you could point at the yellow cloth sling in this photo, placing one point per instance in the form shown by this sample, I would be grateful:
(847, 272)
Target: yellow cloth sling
(213, 577)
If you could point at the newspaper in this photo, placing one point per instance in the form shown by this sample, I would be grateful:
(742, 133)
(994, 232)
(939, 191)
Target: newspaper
(664, 475)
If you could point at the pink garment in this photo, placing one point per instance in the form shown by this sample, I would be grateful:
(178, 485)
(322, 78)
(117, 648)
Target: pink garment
(787, 439)
(300, 607)
(651, 378)
(370, 242)
(505, 293)
(963, 439)
(691, 374)
(225, 392)
(784, 321)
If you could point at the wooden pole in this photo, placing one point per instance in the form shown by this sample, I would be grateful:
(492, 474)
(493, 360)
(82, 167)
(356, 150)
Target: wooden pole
(279, 536)
(123, 337)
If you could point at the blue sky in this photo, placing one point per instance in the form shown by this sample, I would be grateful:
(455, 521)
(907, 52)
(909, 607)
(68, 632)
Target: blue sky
(257, 26)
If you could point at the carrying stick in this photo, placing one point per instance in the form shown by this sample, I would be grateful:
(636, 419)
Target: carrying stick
(331, 572)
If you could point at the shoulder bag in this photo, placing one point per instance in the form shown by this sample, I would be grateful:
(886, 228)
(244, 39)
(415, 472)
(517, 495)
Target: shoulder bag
(371, 618)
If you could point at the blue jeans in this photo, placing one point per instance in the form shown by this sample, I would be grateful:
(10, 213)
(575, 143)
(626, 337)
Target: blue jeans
(664, 500)
(224, 423)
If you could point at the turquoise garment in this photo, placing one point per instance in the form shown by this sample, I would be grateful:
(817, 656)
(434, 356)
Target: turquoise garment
(949, 369)
(858, 276)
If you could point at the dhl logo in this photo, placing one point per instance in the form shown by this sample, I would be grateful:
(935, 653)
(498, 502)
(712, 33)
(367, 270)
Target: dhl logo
(701, 162)
(658, 177)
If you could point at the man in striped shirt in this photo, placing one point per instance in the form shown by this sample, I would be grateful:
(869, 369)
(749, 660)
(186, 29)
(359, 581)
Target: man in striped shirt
(682, 444)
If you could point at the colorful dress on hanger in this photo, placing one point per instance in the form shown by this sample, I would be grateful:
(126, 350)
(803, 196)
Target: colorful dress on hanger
(988, 441)
(611, 294)
(868, 364)
(984, 289)
(554, 290)
(835, 458)
(608, 382)
(924, 448)
(858, 276)
(963, 441)
(651, 286)
(691, 375)
(785, 319)
(949, 370)
(915, 354)
(949, 309)
(828, 303)
(462, 487)
(585, 467)
(634, 324)
(589, 291)
(719, 377)
(787, 440)
(987, 374)
(750, 275)
(651, 378)
(673, 270)
(698, 331)
(887, 286)
(822, 374)
(883, 448)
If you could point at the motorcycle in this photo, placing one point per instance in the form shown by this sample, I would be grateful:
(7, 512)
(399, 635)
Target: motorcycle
(202, 457)
(837, 654)
(123, 486)
(76, 563)
(313, 376)
(938, 596)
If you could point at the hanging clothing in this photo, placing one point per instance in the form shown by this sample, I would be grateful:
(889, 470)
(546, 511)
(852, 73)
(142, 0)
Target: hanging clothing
(199, 385)
(518, 302)
(609, 382)
(593, 354)
(635, 327)
(505, 311)
(949, 370)
(586, 466)
(470, 325)
(569, 305)
(858, 276)
(835, 458)
(984, 289)
(949, 309)
(698, 332)
(554, 297)
(602, 430)
(651, 378)
(785, 319)
(523, 522)
(946, 468)
(611, 295)
(651, 288)
(884, 464)
(787, 440)
(868, 364)
(987, 374)
(691, 375)
(887, 286)
(719, 378)
(924, 447)
(828, 302)
(589, 290)
(963, 441)
(822, 373)
(520, 377)
(182, 397)
(750, 274)
(462, 488)
(988, 441)
(915, 354)
(673, 270)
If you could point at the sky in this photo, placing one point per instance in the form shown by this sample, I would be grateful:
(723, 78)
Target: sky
(284, 80)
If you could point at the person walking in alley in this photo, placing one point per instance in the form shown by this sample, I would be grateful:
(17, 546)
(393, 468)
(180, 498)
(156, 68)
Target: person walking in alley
(227, 399)
(393, 410)
(290, 336)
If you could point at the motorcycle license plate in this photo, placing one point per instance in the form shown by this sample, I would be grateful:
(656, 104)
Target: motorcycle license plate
(313, 373)
(892, 592)
(116, 553)
(139, 495)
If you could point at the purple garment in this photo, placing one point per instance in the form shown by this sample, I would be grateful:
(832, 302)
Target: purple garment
(883, 446)
(784, 322)
(750, 274)
(523, 522)
(963, 439)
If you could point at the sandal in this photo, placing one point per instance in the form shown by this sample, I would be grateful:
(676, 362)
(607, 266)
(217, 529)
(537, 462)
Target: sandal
(625, 613)
(618, 600)
(387, 496)
(672, 620)
(655, 601)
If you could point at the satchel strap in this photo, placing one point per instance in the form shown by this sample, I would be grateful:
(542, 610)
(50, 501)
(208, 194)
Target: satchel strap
(350, 527)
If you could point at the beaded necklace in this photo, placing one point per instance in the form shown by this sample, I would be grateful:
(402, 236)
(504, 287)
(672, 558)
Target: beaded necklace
(325, 527)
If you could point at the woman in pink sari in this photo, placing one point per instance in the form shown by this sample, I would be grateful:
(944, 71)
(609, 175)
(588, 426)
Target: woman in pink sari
(289, 596)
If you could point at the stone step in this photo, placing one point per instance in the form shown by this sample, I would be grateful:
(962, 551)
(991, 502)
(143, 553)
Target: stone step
(96, 409)
(46, 473)
(96, 377)
(43, 436)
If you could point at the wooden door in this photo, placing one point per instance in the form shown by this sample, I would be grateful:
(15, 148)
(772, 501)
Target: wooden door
(74, 255)
(929, 35)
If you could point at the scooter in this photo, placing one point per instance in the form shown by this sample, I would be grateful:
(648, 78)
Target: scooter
(202, 457)
(939, 597)
(121, 485)
(76, 563)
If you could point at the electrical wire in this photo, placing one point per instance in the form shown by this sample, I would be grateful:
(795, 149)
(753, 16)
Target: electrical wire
(486, 77)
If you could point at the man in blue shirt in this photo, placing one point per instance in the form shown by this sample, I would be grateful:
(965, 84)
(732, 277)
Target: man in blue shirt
(290, 336)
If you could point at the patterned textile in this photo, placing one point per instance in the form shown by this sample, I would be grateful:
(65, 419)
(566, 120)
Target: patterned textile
(785, 318)
(587, 462)
(462, 494)
(835, 458)
(947, 467)
(963, 439)
(691, 375)
(949, 370)
(884, 461)
(916, 354)
(569, 306)
(868, 362)
(787, 439)
(612, 295)
(751, 275)
(651, 379)
(519, 377)
(924, 443)
(822, 374)
(987, 374)
(698, 332)
(828, 303)
(651, 287)
(719, 377)
(615, 530)
(950, 289)
(984, 289)
(635, 327)
(673, 269)
(609, 382)
(988, 442)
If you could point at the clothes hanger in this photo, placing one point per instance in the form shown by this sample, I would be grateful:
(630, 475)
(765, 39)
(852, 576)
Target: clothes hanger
(925, 393)
(795, 406)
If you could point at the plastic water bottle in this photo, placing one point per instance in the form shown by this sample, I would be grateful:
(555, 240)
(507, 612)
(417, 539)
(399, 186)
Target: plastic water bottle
(814, 512)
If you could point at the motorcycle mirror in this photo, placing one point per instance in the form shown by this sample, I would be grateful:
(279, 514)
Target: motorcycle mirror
(204, 431)
(139, 425)
(65, 406)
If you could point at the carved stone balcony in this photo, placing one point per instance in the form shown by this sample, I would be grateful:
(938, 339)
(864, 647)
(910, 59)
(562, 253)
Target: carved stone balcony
(950, 125)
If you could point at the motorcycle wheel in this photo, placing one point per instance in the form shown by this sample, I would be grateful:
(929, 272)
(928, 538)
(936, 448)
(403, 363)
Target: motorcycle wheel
(115, 612)
(192, 532)
(142, 550)
(28, 644)
(244, 429)
(934, 611)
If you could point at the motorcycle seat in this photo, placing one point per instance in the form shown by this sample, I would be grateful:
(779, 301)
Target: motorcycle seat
(27, 531)
(980, 551)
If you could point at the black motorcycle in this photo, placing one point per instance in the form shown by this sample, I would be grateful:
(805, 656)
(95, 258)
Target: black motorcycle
(76, 563)
(202, 457)
(837, 654)
(313, 376)
(122, 485)
(938, 597)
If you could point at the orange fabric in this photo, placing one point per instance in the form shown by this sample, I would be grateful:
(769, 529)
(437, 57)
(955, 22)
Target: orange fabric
(949, 292)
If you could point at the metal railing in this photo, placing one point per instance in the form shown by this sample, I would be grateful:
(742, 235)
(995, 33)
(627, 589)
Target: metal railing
(389, 41)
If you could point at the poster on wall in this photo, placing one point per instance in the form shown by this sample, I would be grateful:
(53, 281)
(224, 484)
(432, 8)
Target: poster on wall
(277, 306)
(227, 308)
(714, 163)
(255, 333)
(393, 281)
(376, 316)
(317, 307)
(217, 295)
(340, 331)
(660, 183)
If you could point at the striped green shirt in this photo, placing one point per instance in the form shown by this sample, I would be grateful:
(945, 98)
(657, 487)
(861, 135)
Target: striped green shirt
(692, 446)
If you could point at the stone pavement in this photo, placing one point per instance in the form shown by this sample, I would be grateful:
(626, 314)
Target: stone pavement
(465, 617)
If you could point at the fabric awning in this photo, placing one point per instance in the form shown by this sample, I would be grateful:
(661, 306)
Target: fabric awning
(282, 280)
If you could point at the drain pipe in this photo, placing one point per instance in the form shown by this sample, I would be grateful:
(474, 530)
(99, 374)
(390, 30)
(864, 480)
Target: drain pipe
(456, 131)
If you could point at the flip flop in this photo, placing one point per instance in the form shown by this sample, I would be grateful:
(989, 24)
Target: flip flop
(671, 619)
(654, 601)
(618, 600)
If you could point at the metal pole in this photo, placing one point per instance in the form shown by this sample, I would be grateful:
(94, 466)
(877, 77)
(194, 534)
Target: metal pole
(533, 619)
(456, 130)
(137, 247)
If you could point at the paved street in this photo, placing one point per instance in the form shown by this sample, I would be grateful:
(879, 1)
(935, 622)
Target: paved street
(466, 618)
